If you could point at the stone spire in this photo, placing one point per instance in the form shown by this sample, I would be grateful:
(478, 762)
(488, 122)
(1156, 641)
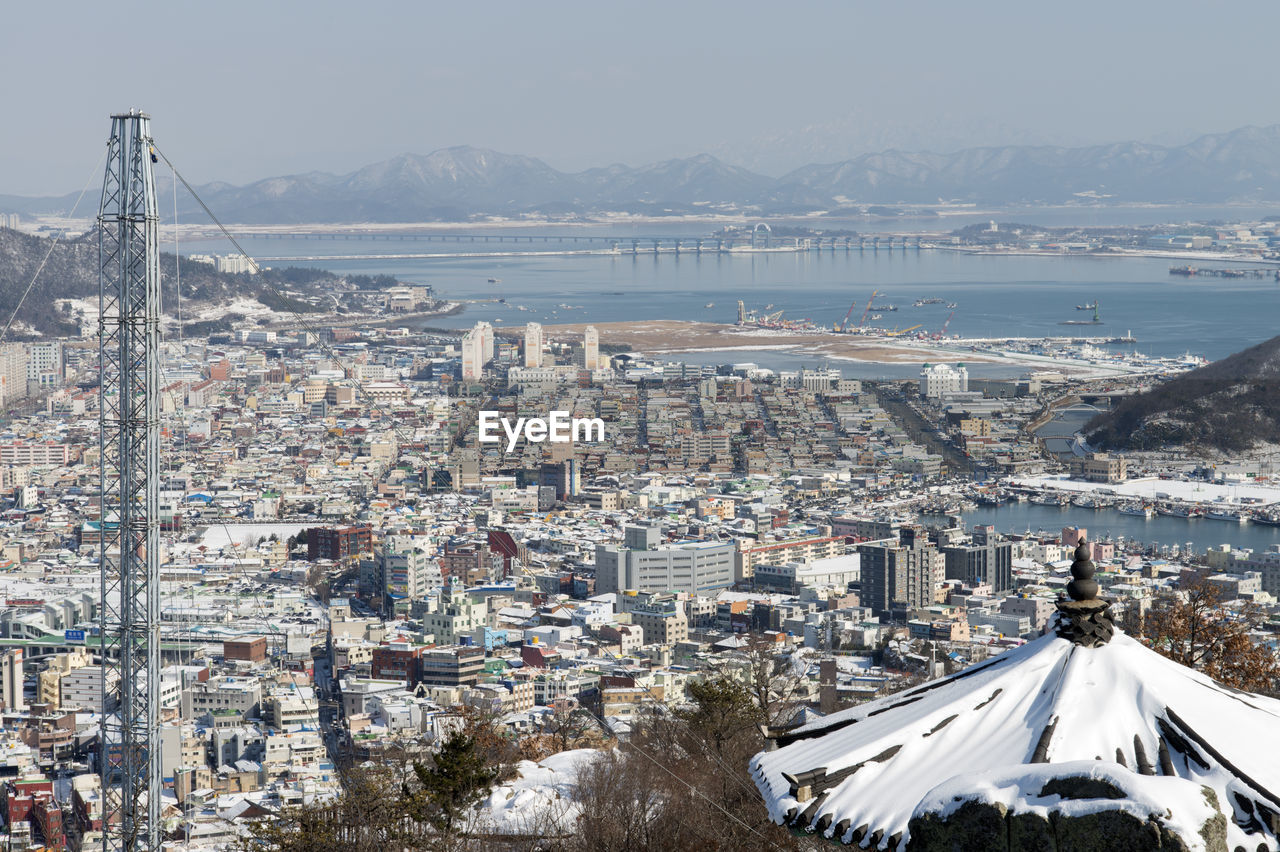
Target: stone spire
(1084, 619)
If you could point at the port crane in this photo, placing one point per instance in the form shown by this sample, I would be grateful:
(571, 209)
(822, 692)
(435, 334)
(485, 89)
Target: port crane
(943, 332)
(843, 325)
(863, 322)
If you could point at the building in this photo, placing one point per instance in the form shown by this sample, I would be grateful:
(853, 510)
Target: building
(1101, 467)
(11, 680)
(405, 573)
(642, 564)
(590, 348)
(44, 364)
(836, 572)
(899, 577)
(13, 373)
(563, 476)
(241, 695)
(250, 648)
(533, 345)
(987, 560)
(338, 543)
(939, 380)
(457, 666)
(798, 549)
(458, 618)
(397, 661)
(477, 351)
(662, 619)
(82, 689)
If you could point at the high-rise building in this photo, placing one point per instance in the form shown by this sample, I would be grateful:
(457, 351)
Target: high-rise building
(590, 348)
(533, 345)
(899, 577)
(406, 574)
(44, 363)
(11, 680)
(563, 476)
(13, 373)
(477, 350)
(988, 559)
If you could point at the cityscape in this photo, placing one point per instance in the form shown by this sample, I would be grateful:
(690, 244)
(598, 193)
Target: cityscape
(460, 502)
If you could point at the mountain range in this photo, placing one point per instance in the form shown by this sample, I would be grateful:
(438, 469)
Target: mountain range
(463, 182)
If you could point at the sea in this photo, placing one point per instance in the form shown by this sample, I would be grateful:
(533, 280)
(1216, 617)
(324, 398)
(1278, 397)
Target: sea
(1102, 524)
(995, 295)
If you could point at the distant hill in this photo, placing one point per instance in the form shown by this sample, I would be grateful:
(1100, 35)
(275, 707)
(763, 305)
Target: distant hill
(72, 273)
(1229, 406)
(461, 182)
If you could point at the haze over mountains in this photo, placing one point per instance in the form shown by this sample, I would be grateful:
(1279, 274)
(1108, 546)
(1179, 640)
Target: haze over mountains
(463, 182)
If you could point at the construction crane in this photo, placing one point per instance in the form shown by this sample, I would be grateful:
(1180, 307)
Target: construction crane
(863, 322)
(943, 332)
(844, 324)
(773, 318)
(899, 333)
(129, 437)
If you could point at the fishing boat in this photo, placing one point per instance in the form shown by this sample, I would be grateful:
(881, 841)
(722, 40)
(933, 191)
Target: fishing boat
(1171, 511)
(495, 280)
(1137, 509)
(1228, 515)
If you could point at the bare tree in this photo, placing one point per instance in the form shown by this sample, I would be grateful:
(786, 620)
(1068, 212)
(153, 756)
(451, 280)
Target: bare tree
(1195, 627)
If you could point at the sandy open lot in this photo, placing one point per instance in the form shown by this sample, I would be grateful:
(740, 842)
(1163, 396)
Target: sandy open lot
(671, 336)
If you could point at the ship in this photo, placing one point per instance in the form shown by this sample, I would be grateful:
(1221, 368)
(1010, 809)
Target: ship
(495, 280)
(1228, 515)
(709, 305)
(1094, 321)
(884, 308)
(1267, 520)
(1092, 306)
(932, 300)
(1187, 512)
(952, 305)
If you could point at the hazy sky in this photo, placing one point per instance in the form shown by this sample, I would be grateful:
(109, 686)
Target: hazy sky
(245, 90)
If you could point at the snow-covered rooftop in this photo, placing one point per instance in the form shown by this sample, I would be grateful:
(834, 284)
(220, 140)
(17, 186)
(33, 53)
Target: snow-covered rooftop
(1159, 730)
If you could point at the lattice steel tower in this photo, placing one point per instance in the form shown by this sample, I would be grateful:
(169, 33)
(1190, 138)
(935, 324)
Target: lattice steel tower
(129, 440)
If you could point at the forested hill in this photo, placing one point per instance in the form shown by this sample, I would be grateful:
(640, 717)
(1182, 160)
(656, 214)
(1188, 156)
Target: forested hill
(1228, 406)
(72, 273)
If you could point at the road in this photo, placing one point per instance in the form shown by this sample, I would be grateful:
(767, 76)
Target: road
(920, 430)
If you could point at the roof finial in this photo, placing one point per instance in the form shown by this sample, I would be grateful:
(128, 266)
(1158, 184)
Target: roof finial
(1084, 619)
(1083, 587)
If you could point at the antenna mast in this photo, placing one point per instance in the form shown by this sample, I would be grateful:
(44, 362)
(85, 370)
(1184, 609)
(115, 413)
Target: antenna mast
(129, 443)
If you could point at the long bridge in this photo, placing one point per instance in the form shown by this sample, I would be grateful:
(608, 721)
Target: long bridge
(756, 241)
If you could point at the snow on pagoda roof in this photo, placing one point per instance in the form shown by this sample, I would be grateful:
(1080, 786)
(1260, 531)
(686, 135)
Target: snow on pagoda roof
(995, 729)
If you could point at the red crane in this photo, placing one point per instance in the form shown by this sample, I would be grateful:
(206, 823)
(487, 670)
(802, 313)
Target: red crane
(862, 322)
(943, 333)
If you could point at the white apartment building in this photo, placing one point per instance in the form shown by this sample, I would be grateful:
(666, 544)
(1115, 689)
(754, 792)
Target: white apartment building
(533, 345)
(939, 380)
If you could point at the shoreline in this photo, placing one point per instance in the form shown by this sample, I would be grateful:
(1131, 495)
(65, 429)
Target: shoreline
(675, 337)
